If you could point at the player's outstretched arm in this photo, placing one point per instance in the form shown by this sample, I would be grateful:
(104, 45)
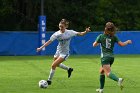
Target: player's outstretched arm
(95, 44)
(124, 43)
(46, 44)
(83, 33)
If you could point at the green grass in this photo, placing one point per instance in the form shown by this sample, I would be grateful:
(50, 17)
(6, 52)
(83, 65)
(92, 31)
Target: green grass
(20, 74)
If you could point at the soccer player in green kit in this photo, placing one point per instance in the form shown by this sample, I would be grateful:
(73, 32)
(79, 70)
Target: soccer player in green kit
(107, 41)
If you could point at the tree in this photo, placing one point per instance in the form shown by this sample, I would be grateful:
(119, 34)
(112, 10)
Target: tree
(23, 14)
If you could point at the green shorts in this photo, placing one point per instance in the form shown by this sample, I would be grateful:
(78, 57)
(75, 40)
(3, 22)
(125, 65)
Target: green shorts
(107, 60)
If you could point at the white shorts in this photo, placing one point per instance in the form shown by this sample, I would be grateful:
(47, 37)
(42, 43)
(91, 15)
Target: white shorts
(62, 55)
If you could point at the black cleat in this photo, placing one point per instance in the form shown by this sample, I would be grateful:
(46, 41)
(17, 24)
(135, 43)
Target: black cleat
(69, 72)
(49, 82)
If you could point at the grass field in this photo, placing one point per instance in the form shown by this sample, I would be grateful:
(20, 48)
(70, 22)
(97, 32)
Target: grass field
(20, 74)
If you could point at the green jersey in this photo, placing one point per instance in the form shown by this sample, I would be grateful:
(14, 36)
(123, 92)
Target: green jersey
(107, 44)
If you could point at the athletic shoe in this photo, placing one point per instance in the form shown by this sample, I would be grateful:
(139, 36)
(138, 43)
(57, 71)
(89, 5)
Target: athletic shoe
(120, 83)
(49, 82)
(69, 72)
(99, 90)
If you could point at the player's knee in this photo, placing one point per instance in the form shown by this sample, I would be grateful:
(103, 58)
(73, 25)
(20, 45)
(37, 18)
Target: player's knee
(54, 58)
(53, 66)
(107, 74)
(101, 71)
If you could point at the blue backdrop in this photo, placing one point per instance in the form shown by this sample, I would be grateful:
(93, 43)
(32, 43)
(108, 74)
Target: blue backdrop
(25, 43)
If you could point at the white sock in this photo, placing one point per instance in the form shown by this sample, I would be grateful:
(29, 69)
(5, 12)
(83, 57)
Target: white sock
(51, 74)
(63, 66)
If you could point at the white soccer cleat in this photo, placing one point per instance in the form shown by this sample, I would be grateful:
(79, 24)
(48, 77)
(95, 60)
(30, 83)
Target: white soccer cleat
(99, 90)
(120, 83)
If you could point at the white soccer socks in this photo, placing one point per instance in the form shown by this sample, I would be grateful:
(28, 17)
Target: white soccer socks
(51, 74)
(99, 90)
(120, 81)
(63, 66)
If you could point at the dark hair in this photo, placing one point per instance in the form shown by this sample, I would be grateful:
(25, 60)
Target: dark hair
(110, 28)
(65, 22)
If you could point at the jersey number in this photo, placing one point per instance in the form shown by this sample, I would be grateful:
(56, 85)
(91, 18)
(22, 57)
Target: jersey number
(63, 42)
(108, 43)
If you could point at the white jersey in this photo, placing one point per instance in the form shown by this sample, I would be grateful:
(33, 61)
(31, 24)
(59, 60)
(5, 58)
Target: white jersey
(64, 40)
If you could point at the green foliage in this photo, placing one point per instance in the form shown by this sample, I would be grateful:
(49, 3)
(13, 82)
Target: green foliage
(23, 14)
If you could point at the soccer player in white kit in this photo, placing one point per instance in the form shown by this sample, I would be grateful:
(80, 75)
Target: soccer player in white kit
(63, 36)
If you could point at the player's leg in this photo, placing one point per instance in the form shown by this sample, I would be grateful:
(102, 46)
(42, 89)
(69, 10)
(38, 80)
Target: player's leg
(53, 67)
(57, 54)
(69, 70)
(108, 72)
(102, 81)
(107, 68)
(106, 63)
(120, 81)
(102, 78)
(55, 58)
(64, 56)
(62, 65)
(112, 76)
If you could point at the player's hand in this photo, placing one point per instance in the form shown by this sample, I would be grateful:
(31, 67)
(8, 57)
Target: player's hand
(38, 49)
(129, 41)
(87, 29)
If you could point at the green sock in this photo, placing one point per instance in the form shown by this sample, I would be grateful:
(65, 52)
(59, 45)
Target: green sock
(102, 81)
(113, 77)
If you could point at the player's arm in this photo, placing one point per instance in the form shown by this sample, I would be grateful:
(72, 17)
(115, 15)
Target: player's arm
(84, 32)
(97, 41)
(124, 43)
(46, 44)
(95, 44)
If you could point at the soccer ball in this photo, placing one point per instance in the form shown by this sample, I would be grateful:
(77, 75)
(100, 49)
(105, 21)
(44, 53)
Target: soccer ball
(43, 84)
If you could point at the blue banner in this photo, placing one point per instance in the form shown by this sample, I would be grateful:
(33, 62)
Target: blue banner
(42, 33)
(25, 43)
